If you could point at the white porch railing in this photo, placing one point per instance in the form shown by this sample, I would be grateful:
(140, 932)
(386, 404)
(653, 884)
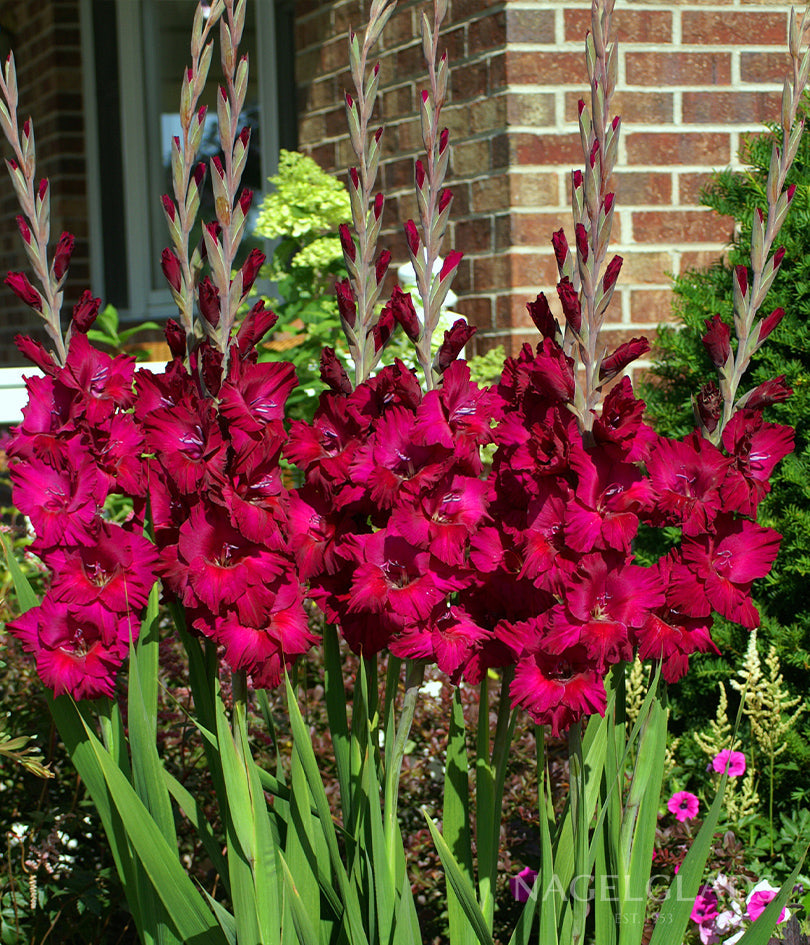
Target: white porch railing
(14, 395)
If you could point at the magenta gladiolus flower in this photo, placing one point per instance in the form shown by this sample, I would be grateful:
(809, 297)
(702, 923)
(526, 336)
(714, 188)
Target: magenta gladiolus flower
(684, 806)
(732, 762)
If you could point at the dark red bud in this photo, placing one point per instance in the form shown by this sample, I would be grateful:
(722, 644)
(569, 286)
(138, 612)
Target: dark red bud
(376, 69)
(444, 138)
(43, 188)
(170, 265)
(346, 303)
(615, 122)
(541, 315)
(419, 174)
(594, 153)
(622, 356)
(175, 338)
(190, 74)
(454, 341)
(208, 299)
(412, 236)
(580, 106)
(201, 113)
(577, 179)
(405, 313)
(608, 204)
(611, 273)
(349, 101)
(582, 241)
(769, 323)
(774, 391)
(258, 321)
(354, 177)
(778, 256)
(425, 96)
(569, 298)
(245, 200)
(717, 340)
(384, 328)
(199, 173)
(25, 231)
(790, 192)
(62, 254)
(445, 197)
(379, 202)
(218, 167)
(27, 128)
(22, 288)
(450, 264)
(85, 311)
(333, 373)
(244, 136)
(168, 206)
(742, 278)
(347, 242)
(382, 265)
(560, 244)
(223, 94)
(378, 134)
(250, 269)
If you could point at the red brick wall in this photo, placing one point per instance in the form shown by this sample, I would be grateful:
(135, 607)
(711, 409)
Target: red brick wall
(45, 37)
(695, 75)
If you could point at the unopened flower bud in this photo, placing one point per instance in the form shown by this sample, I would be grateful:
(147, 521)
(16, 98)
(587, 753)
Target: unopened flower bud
(169, 207)
(379, 202)
(419, 174)
(382, 265)
(250, 269)
(384, 328)
(774, 391)
(208, 298)
(611, 272)
(245, 200)
(170, 265)
(61, 257)
(622, 356)
(333, 373)
(412, 236)
(175, 338)
(85, 311)
(404, 312)
(542, 316)
(768, 324)
(258, 321)
(582, 241)
(454, 341)
(22, 288)
(444, 199)
(569, 297)
(346, 303)
(717, 340)
(560, 244)
(24, 229)
(347, 242)
(450, 264)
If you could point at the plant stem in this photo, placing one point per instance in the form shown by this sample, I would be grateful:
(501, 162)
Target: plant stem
(579, 821)
(413, 680)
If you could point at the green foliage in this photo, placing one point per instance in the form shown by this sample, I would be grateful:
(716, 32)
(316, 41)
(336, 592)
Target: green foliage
(303, 212)
(682, 366)
(107, 331)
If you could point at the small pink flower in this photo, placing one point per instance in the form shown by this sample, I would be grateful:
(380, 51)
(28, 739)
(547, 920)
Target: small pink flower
(521, 885)
(731, 761)
(683, 805)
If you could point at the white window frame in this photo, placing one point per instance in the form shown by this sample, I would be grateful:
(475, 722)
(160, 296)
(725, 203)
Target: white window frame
(145, 303)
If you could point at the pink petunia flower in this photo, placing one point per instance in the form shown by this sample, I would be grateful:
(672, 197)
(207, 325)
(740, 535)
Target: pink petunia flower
(705, 907)
(758, 899)
(684, 806)
(733, 762)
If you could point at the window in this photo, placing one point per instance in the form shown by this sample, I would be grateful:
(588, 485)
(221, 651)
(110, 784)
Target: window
(135, 51)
